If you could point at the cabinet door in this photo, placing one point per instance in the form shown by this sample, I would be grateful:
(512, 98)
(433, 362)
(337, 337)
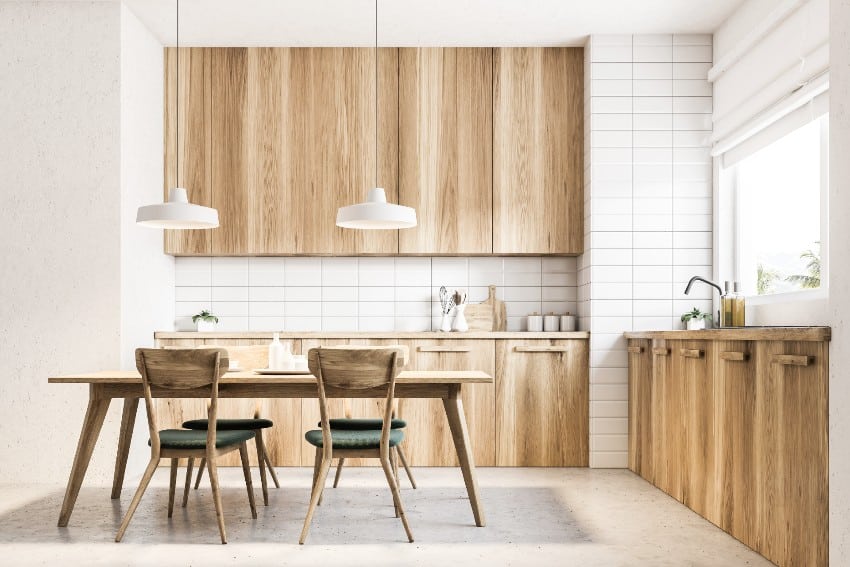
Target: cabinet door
(791, 423)
(339, 407)
(542, 403)
(538, 150)
(692, 364)
(668, 441)
(188, 141)
(293, 139)
(735, 370)
(445, 149)
(429, 441)
(640, 408)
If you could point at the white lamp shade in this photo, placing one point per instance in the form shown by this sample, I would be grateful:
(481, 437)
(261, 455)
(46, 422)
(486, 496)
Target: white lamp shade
(376, 214)
(177, 213)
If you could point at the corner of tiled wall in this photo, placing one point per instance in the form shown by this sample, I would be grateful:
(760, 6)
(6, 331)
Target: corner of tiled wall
(648, 206)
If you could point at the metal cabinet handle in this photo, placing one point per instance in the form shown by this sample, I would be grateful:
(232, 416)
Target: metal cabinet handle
(635, 349)
(792, 359)
(443, 349)
(734, 355)
(691, 352)
(661, 351)
(541, 349)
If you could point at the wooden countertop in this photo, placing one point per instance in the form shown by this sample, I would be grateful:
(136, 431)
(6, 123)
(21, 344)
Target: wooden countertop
(741, 334)
(369, 335)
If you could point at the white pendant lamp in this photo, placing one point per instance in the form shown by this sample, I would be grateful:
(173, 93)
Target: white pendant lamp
(177, 212)
(376, 213)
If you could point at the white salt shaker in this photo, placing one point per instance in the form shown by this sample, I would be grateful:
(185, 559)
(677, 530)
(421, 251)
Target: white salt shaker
(535, 323)
(551, 323)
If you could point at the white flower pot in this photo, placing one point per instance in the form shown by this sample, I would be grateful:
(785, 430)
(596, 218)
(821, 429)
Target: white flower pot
(205, 326)
(696, 324)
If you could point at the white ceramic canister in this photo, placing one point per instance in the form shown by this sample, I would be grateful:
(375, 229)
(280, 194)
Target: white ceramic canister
(568, 322)
(535, 323)
(551, 323)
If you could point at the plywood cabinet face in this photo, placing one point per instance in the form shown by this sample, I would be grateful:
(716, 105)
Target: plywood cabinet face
(542, 403)
(668, 400)
(445, 149)
(293, 138)
(538, 141)
(429, 440)
(640, 408)
(188, 140)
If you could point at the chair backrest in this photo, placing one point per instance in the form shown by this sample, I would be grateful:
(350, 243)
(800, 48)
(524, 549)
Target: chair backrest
(178, 370)
(340, 372)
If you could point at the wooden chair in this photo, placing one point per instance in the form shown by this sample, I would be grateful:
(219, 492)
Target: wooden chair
(339, 372)
(254, 356)
(358, 423)
(176, 371)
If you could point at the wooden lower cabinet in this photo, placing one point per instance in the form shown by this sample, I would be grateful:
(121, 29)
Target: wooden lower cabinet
(739, 435)
(542, 403)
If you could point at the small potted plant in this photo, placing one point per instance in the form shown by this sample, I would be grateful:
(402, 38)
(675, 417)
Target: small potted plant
(205, 321)
(695, 320)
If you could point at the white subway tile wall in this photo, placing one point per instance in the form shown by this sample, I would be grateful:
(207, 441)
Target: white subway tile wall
(363, 294)
(648, 207)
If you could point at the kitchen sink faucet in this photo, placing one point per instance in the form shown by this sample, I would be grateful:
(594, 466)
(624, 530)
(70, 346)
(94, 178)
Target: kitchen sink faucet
(717, 321)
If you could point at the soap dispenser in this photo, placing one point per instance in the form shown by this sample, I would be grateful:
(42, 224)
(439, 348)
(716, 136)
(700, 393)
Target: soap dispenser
(276, 353)
(726, 307)
(738, 307)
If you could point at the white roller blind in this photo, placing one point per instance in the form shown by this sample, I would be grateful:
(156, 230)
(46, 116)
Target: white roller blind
(777, 48)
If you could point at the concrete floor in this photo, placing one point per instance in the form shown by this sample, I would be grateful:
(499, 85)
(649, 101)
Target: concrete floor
(535, 517)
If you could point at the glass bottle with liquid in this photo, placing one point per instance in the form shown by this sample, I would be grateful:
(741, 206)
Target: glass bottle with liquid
(739, 307)
(726, 307)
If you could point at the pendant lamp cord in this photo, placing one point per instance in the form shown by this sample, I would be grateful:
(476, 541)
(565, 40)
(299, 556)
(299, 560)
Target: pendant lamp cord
(377, 150)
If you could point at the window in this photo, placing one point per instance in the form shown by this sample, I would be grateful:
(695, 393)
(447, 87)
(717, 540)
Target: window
(780, 225)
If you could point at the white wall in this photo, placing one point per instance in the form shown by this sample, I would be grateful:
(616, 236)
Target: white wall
(364, 294)
(648, 207)
(839, 284)
(59, 228)
(147, 274)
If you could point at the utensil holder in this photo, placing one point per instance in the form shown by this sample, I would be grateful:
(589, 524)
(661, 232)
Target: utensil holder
(446, 323)
(460, 324)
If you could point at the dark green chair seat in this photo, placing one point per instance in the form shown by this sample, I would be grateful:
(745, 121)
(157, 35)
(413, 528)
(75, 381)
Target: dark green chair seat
(354, 439)
(229, 424)
(192, 439)
(361, 423)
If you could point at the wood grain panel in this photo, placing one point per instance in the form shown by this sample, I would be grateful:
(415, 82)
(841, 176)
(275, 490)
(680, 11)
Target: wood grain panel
(791, 425)
(445, 149)
(329, 146)
(191, 139)
(429, 439)
(735, 407)
(640, 408)
(538, 146)
(668, 400)
(542, 405)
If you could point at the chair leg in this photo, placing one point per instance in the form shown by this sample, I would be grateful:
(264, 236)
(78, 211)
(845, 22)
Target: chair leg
(172, 484)
(143, 484)
(216, 490)
(394, 463)
(324, 467)
(261, 462)
(270, 468)
(339, 465)
(317, 464)
(201, 468)
(404, 463)
(385, 464)
(246, 470)
(190, 462)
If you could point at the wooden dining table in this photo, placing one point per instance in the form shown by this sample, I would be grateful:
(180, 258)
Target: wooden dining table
(107, 385)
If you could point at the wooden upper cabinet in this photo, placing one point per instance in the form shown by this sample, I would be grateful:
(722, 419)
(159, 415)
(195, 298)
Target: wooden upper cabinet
(538, 150)
(293, 139)
(445, 149)
(194, 145)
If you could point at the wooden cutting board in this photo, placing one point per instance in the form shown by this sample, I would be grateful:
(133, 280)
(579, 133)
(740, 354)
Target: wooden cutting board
(486, 316)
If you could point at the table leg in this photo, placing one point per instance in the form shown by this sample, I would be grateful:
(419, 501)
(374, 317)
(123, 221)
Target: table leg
(128, 421)
(92, 423)
(460, 435)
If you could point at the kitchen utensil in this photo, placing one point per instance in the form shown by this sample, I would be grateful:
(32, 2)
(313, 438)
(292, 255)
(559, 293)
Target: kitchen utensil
(487, 316)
